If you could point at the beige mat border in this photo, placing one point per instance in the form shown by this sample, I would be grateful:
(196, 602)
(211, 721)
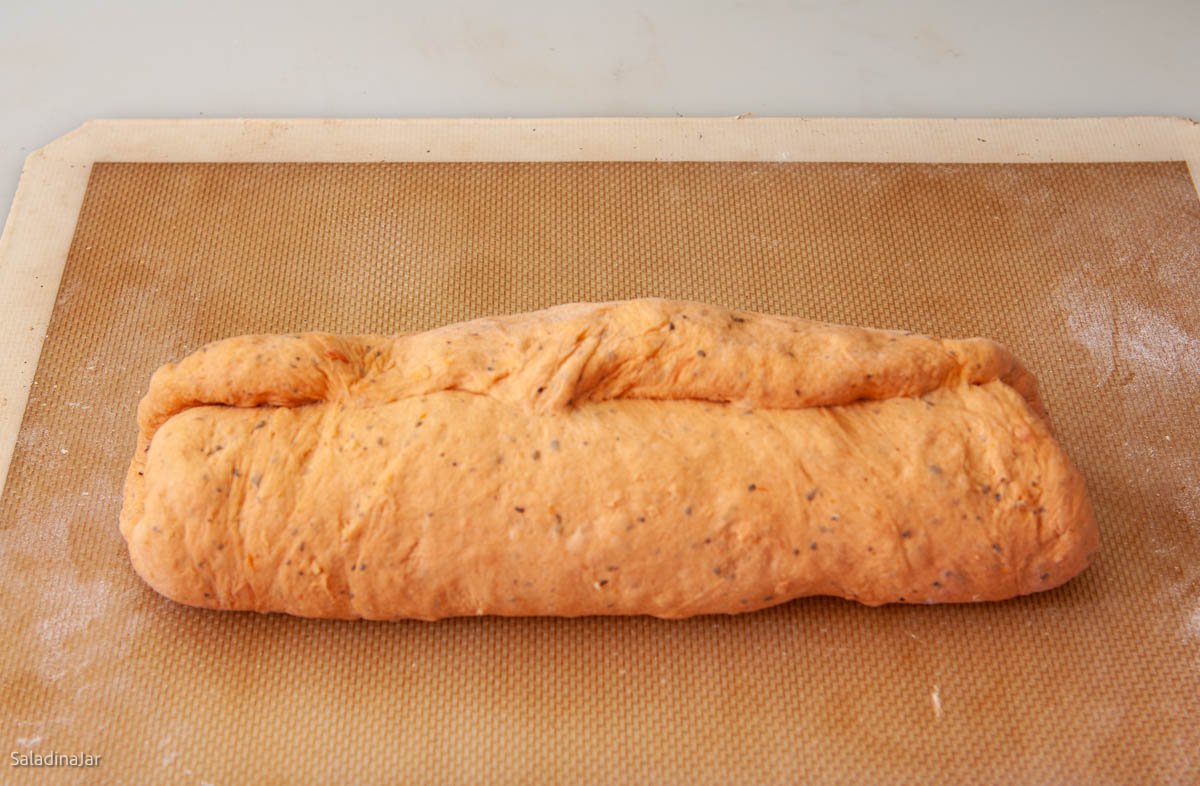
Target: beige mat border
(37, 235)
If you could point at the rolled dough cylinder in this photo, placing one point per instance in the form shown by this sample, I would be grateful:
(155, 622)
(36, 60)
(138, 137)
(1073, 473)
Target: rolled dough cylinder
(643, 457)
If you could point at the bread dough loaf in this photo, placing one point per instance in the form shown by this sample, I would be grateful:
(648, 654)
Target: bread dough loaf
(642, 457)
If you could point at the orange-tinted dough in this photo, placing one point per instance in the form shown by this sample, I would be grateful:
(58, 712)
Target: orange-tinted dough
(646, 457)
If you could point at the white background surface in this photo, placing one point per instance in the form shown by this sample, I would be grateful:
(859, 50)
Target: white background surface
(62, 63)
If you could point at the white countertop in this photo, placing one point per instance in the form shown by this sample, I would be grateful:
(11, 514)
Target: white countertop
(63, 63)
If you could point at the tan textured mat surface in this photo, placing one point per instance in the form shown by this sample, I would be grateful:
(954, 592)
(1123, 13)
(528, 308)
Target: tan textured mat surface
(1088, 271)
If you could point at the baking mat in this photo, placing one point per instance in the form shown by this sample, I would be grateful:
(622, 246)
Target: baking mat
(1087, 270)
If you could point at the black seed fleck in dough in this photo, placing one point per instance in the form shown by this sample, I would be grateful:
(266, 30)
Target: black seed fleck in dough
(1045, 576)
(701, 353)
(687, 511)
(537, 454)
(936, 584)
(985, 489)
(935, 469)
(995, 547)
(602, 582)
(539, 390)
(717, 571)
(812, 546)
(751, 487)
(811, 495)
(641, 519)
(796, 552)
(906, 534)
(519, 510)
(670, 325)
(737, 319)
(259, 424)
(997, 496)
(379, 441)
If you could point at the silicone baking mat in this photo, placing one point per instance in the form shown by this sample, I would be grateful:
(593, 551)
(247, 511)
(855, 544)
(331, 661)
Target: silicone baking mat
(1087, 270)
